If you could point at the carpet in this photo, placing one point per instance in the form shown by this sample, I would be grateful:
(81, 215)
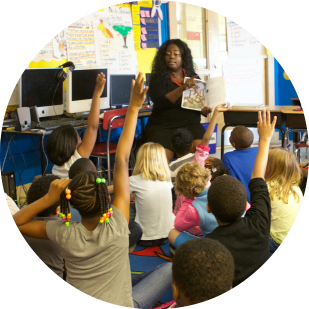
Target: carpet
(145, 259)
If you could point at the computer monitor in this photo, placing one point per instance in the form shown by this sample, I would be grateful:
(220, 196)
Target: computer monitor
(80, 87)
(120, 86)
(41, 88)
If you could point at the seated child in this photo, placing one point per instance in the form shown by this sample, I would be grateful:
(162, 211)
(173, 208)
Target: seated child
(96, 249)
(246, 238)
(85, 165)
(46, 250)
(192, 182)
(200, 156)
(202, 269)
(282, 176)
(240, 161)
(217, 168)
(64, 145)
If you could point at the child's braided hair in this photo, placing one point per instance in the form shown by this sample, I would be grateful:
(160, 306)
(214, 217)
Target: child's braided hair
(87, 196)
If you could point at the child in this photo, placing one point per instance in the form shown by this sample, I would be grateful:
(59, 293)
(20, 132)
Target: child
(202, 269)
(246, 238)
(64, 145)
(46, 250)
(86, 165)
(282, 176)
(151, 183)
(96, 250)
(200, 156)
(240, 161)
(216, 167)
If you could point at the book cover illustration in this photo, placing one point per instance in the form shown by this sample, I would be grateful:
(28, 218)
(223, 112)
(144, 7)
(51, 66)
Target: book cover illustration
(195, 97)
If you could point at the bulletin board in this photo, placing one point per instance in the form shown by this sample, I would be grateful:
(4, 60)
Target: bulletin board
(121, 36)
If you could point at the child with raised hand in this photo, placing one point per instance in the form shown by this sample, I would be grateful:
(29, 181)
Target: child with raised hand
(246, 238)
(96, 250)
(200, 156)
(283, 176)
(46, 250)
(64, 145)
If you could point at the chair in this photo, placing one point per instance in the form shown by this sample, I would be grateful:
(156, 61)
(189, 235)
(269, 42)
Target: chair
(112, 119)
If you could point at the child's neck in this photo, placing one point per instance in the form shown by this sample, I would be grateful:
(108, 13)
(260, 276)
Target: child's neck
(238, 148)
(91, 223)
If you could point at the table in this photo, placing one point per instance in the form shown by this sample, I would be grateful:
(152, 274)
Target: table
(248, 117)
(146, 112)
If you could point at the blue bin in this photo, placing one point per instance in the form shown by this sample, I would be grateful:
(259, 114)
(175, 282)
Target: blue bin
(213, 145)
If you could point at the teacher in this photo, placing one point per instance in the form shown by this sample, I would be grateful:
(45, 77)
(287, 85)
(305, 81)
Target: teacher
(172, 63)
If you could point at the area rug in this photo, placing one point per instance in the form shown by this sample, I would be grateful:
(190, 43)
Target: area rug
(145, 259)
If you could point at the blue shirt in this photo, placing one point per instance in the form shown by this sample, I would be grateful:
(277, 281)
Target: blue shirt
(240, 165)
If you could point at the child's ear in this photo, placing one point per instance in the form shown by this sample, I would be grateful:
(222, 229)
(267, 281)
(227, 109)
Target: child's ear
(57, 211)
(175, 291)
(208, 209)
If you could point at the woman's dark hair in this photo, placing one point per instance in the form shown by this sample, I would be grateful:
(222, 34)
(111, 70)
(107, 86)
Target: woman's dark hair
(161, 70)
(61, 145)
(38, 189)
(181, 142)
(203, 269)
(87, 196)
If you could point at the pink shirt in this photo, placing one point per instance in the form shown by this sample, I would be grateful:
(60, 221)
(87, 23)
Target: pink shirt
(182, 218)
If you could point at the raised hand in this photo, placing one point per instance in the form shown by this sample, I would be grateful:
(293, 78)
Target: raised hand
(55, 189)
(265, 126)
(138, 94)
(189, 83)
(100, 83)
(222, 107)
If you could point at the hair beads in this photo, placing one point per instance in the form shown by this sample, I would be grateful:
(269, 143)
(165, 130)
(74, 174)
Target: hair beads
(108, 212)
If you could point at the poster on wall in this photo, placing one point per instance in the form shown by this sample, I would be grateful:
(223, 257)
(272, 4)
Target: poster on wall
(80, 42)
(114, 39)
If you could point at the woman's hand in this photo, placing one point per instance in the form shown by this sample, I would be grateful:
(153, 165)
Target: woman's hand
(189, 83)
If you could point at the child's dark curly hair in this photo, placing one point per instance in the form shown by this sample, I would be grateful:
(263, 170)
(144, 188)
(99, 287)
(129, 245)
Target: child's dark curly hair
(161, 70)
(38, 189)
(227, 199)
(216, 167)
(87, 196)
(203, 269)
(181, 142)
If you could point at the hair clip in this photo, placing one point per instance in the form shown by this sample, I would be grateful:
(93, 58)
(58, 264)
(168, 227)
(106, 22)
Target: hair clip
(100, 180)
(213, 169)
(106, 216)
(68, 194)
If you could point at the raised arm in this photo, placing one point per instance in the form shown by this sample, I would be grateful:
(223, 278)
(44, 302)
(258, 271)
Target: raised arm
(90, 136)
(265, 129)
(37, 229)
(121, 173)
(207, 136)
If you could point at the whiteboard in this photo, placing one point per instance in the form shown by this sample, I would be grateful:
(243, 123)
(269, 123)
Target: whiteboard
(244, 81)
(244, 69)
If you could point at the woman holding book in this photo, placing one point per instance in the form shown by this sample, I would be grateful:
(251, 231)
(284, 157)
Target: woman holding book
(173, 62)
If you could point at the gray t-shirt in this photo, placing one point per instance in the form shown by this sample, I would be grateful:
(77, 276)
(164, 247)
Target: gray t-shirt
(97, 262)
(47, 250)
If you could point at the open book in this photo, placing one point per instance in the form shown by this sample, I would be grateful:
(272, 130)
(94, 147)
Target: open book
(210, 93)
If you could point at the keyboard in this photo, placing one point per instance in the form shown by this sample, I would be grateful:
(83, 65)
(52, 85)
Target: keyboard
(54, 124)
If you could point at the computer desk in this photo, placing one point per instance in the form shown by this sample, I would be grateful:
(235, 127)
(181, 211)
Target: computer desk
(146, 112)
(249, 117)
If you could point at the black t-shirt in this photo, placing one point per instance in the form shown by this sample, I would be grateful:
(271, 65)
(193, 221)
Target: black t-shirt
(248, 238)
(168, 114)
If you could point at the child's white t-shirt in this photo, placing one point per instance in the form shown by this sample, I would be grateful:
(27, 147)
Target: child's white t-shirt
(154, 206)
(63, 170)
